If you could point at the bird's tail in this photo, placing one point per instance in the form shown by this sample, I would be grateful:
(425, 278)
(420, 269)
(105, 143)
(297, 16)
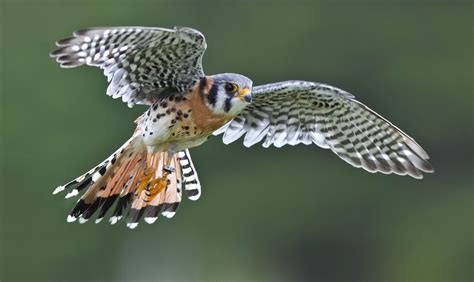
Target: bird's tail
(124, 179)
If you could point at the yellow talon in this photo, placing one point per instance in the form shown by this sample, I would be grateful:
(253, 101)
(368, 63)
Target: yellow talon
(144, 179)
(155, 187)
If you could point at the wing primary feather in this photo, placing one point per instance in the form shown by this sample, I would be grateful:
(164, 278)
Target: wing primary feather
(307, 112)
(139, 62)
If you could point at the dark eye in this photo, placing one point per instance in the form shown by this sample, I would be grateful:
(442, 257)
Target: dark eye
(230, 87)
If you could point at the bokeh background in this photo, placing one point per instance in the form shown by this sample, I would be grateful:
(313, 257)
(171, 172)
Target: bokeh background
(291, 214)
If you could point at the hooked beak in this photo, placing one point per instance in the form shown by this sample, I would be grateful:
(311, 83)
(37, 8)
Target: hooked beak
(245, 95)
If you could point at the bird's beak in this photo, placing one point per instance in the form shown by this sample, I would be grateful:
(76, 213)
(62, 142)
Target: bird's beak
(245, 95)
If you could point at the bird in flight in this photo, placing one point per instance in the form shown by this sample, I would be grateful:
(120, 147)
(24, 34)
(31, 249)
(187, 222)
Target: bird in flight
(162, 68)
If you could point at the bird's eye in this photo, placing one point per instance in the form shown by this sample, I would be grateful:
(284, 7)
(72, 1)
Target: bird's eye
(231, 87)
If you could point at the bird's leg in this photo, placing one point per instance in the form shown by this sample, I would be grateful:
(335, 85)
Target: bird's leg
(156, 186)
(146, 175)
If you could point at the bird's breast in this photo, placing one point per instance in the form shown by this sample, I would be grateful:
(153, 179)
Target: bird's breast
(178, 122)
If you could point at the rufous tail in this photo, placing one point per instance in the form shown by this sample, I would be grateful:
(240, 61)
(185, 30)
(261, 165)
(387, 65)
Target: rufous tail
(135, 183)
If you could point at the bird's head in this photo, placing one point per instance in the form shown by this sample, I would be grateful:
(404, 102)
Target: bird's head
(229, 94)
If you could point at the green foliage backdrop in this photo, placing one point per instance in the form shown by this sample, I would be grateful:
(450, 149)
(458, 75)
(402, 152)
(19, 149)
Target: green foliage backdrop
(296, 213)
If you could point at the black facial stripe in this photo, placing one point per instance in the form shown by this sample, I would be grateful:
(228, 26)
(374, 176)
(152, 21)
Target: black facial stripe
(202, 83)
(212, 96)
(227, 104)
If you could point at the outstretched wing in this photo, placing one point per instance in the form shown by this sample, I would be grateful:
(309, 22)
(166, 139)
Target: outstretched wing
(294, 112)
(140, 62)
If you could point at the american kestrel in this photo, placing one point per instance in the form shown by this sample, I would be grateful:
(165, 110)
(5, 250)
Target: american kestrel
(162, 68)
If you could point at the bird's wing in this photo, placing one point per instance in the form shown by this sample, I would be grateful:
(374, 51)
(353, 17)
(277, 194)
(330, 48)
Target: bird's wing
(140, 63)
(294, 112)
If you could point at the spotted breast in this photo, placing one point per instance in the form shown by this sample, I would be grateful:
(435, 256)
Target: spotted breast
(180, 121)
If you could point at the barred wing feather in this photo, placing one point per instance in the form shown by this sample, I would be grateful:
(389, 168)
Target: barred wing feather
(295, 112)
(140, 62)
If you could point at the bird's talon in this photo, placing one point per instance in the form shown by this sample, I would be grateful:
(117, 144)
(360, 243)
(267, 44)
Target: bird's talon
(144, 179)
(155, 187)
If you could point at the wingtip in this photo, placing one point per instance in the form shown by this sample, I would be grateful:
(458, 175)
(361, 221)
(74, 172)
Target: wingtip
(428, 168)
(82, 31)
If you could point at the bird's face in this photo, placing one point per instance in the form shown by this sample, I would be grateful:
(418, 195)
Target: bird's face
(230, 93)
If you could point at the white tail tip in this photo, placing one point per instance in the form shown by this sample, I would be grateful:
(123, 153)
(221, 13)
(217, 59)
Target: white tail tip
(58, 189)
(114, 219)
(195, 197)
(71, 218)
(168, 214)
(82, 220)
(150, 220)
(73, 193)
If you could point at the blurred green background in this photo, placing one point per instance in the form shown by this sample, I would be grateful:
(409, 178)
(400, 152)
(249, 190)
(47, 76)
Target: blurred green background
(291, 214)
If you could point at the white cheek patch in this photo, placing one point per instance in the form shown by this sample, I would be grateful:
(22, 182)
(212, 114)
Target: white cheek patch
(236, 106)
(220, 102)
